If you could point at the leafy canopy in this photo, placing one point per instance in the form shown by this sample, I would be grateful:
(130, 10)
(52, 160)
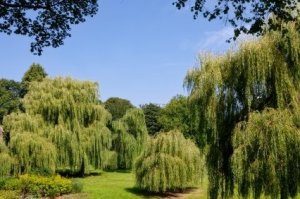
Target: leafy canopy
(242, 13)
(47, 22)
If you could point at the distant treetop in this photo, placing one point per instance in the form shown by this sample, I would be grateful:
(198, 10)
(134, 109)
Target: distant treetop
(117, 107)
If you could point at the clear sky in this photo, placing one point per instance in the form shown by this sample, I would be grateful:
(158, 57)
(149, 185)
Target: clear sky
(138, 50)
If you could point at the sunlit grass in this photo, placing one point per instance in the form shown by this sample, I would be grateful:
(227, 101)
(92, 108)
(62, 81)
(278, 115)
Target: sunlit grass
(120, 185)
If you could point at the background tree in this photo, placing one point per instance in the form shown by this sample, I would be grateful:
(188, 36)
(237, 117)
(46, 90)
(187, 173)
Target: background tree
(129, 137)
(241, 13)
(152, 112)
(35, 73)
(175, 115)
(10, 95)
(226, 89)
(48, 22)
(63, 128)
(117, 107)
(169, 163)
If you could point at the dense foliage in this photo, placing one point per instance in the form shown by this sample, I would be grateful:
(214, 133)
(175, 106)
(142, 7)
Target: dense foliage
(34, 186)
(130, 136)
(63, 128)
(226, 89)
(117, 107)
(169, 163)
(246, 16)
(177, 115)
(152, 112)
(266, 156)
(48, 22)
(10, 94)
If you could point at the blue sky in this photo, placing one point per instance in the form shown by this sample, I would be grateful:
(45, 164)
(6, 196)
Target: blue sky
(138, 50)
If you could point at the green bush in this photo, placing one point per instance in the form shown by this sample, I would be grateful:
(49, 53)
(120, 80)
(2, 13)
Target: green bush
(169, 163)
(10, 184)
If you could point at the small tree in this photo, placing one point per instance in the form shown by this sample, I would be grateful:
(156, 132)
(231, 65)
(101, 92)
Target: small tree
(169, 163)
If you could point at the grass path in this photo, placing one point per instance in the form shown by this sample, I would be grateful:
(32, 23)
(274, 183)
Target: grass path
(120, 185)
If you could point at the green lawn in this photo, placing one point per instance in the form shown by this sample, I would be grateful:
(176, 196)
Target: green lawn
(112, 185)
(120, 185)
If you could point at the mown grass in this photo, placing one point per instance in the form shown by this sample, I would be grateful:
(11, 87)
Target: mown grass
(120, 185)
(112, 185)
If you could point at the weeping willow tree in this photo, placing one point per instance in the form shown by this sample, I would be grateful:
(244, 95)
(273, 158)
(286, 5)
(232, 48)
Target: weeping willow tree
(169, 163)
(226, 89)
(63, 128)
(130, 136)
(266, 156)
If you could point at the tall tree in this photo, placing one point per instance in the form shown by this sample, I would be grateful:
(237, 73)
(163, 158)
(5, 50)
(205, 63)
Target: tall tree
(117, 107)
(246, 16)
(152, 112)
(48, 22)
(63, 128)
(226, 89)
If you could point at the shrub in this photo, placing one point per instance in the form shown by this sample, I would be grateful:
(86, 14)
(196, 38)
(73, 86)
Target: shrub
(45, 186)
(10, 184)
(6, 194)
(169, 163)
(77, 186)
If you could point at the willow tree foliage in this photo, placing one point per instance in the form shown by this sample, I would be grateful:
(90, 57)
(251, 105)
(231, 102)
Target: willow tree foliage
(225, 89)
(266, 156)
(63, 128)
(130, 136)
(169, 163)
(6, 161)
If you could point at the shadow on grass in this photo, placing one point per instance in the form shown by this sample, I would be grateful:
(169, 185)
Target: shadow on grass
(146, 194)
(118, 171)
